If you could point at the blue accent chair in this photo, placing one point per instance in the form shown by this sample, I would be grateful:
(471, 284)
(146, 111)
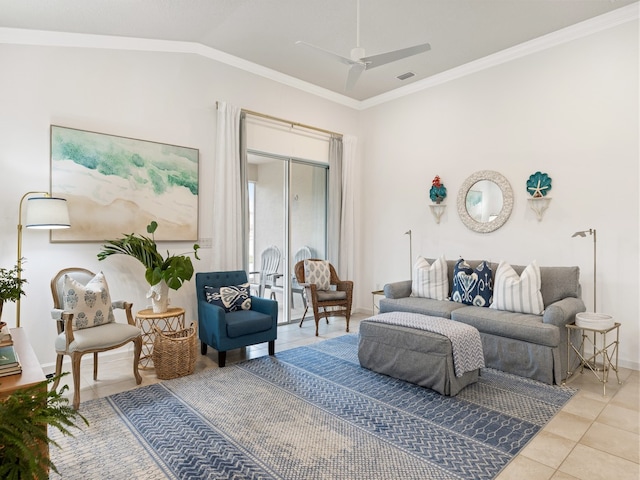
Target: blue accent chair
(228, 330)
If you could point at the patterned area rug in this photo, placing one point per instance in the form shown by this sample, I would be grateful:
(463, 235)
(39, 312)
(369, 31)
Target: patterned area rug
(307, 413)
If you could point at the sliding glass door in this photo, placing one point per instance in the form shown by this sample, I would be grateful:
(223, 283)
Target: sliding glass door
(287, 211)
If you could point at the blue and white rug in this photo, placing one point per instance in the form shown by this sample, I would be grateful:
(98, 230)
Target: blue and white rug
(307, 413)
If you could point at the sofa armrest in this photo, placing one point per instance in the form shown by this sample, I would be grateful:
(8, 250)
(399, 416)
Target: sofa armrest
(398, 289)
(563, 311)
(266, 306)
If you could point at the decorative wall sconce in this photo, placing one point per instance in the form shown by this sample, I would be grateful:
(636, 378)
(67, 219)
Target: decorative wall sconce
(437, 210)
(538, 186)
(437, 194)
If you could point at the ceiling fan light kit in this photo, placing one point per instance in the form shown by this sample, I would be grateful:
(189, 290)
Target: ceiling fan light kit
(358, 62)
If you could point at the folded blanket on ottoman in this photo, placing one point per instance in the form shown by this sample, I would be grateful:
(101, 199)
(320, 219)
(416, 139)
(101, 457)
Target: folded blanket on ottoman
(402, 345)
(465, 339)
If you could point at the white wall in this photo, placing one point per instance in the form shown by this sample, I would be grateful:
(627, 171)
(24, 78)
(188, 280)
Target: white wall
(572, 112)
(163, 97)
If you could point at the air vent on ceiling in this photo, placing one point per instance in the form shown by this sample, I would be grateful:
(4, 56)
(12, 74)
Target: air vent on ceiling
(404, 76)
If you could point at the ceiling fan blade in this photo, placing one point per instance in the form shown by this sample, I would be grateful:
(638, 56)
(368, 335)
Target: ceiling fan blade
(384, 58)
(354, 74)
(335, 56)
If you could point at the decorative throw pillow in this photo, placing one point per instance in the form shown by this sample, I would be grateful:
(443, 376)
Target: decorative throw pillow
(90, 303)
(518, 293)
(472, 287)
(318, 272)
(430, 280)
(231, 298)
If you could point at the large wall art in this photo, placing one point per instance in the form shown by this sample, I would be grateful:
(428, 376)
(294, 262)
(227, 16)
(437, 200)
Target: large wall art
(117, 185)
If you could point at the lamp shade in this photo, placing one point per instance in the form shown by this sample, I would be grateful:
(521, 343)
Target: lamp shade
(47, 213)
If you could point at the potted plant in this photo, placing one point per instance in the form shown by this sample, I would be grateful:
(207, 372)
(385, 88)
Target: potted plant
(10, 285)
(24, 419)
(161, 272)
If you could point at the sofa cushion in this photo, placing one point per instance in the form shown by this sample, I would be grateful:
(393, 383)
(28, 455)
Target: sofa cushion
(558, 283)
(472, 286)
(430, 280)
(519, 326)
(518, 293)
(426, 306)
(247, 322)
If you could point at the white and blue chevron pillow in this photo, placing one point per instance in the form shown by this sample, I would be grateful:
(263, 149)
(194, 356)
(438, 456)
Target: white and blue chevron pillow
(231, 298)
(472, 286)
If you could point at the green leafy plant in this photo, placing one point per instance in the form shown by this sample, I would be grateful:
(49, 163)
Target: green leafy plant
(10, 284)
(24, 417)
(174, 269)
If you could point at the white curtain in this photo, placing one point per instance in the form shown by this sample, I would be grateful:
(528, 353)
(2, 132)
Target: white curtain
(347, 220)
(335, 201)
(227, 248)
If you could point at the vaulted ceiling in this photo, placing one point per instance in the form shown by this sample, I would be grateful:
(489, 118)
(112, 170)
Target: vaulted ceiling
(264, 32)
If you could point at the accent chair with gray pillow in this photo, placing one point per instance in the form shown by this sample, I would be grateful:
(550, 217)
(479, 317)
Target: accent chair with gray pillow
(86, 323)
(324, 290)
(229, 317)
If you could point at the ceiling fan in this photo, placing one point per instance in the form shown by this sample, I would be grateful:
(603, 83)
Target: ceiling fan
(358, 63)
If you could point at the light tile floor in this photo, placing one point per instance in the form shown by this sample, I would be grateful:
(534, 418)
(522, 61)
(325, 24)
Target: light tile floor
(593, 437)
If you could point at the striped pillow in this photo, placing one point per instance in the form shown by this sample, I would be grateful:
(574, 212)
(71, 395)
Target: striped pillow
(518, 293)
(430, 281)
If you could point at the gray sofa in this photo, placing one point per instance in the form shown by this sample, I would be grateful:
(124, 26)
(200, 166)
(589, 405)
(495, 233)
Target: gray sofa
(533, 346)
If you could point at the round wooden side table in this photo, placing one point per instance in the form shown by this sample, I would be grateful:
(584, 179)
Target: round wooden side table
(170, 321)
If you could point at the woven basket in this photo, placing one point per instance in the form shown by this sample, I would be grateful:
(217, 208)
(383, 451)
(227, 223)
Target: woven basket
(174, 354)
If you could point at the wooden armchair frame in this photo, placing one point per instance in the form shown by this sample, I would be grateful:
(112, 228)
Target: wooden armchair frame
(319, 300)
(65, 326)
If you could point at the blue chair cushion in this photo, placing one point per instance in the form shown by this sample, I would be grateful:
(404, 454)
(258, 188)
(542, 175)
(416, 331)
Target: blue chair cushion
(247, 322)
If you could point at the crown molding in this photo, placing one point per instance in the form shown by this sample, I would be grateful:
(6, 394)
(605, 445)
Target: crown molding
(64, 39)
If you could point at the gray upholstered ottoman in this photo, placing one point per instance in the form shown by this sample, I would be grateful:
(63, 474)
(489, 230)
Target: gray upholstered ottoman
(416, 356)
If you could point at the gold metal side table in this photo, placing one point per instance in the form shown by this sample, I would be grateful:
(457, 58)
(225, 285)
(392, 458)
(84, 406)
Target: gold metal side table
(607, 352)
(170, 321)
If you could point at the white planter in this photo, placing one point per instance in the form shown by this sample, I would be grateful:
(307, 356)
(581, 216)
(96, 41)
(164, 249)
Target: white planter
(159, 295)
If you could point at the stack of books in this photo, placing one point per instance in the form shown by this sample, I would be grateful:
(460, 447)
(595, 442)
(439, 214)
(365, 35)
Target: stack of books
(9, 362)
(5, 335)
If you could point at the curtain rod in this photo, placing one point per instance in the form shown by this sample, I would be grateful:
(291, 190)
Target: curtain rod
(293, 124)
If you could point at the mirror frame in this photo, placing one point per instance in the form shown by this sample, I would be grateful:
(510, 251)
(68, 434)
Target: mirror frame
(507, 201)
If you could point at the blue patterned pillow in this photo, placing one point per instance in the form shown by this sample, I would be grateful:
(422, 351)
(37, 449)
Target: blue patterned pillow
(231, 298)
(472, 287)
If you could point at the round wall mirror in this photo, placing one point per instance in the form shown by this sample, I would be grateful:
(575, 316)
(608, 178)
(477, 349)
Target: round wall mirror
(485, 201)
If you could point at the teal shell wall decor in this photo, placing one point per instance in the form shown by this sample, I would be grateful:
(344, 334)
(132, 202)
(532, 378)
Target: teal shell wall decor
(539, 185)
(438, 191)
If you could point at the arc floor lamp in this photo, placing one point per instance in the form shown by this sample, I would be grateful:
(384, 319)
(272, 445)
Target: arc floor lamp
(44, 212)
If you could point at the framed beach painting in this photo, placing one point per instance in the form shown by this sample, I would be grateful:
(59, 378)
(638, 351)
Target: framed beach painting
(117, 185)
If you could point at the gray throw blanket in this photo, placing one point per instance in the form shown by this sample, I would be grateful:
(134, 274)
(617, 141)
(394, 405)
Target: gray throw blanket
(465, 339)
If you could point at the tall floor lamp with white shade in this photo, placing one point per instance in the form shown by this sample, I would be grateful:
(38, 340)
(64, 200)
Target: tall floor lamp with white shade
(44, 212)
